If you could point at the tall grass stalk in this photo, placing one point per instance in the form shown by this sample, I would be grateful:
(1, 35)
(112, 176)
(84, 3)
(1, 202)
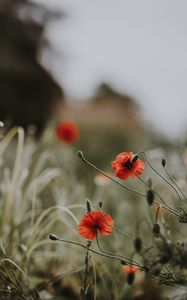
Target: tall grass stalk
(10, 196)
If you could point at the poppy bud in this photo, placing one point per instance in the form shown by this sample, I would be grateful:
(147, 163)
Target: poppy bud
(167, 255)
(163, 162)
(149, 182)
(138, 244)
(80, 154)
(88, 206)
(100, 204)
(156, 229)
(135, 157)
(180, 244)
(156, 270)
(150, 197)
(183, 218)
(53, 237)
(89, 244)
(130, 278)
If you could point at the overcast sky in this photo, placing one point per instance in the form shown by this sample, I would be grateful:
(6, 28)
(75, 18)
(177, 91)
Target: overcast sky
(139, 46)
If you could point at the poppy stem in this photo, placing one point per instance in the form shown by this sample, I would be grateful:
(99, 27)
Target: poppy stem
(110, 253)
(171, 178)
(140, 221)
(53, 237)
(80, 154)
(86, 271)
(157, 213)
(128, 236)
(172, 210)
(137, 232)
(159, 174)
(128, 260)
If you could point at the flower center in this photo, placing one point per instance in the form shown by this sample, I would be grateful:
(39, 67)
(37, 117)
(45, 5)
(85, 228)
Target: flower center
(96, 227)
(128, 165)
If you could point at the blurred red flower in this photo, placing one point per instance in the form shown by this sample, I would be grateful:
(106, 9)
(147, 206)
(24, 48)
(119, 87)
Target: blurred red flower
(131, 269)
(67, 132)
(124, 165)
(101, 180)
(95, 222)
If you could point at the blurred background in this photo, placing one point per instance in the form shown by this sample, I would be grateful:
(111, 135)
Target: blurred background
(138, 48)
(117, 70)
(99, 51)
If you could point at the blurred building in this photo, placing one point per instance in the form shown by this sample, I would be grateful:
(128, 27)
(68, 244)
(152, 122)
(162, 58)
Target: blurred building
(108, 108)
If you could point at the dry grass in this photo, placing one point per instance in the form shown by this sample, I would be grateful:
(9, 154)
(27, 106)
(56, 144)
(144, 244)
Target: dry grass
(41, 194)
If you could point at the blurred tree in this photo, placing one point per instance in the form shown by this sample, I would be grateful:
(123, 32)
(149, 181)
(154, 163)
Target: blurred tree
(28, 93)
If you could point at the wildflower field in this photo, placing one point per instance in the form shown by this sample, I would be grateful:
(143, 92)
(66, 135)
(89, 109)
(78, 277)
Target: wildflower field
(93, 200)
(115, 233)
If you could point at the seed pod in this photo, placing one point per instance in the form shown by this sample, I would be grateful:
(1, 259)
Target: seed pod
(130, 278)
(149, 182)
(156, 270)
(167, 253)
(88, 206)
(89, 244)
(53, 237)
(150, 197)
(100, 204)
(135, 157)
(163, 162)
(156, 229)
(138, 244)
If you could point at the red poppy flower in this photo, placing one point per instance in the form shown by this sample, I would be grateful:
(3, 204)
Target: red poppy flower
(67, 132)
(95, 222)
(124, 165)
(131, 269)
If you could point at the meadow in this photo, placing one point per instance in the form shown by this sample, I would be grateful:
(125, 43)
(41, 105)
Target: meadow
(136, 246)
